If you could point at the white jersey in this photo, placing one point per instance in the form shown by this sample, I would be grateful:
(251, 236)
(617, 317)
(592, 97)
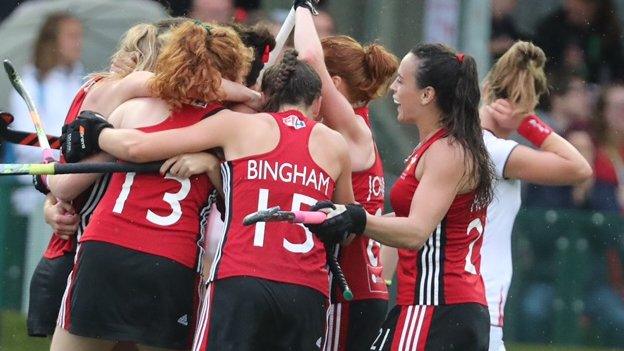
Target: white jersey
(496, 267)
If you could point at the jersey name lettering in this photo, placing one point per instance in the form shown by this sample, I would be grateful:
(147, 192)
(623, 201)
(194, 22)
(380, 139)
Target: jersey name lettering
(287, 173)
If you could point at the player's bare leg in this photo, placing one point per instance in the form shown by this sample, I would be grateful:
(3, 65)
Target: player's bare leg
(64, 341)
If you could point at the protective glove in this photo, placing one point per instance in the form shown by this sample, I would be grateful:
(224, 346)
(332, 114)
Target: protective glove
(80, 138)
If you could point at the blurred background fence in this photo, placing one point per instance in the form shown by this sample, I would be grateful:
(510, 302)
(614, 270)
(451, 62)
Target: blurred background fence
(568, 286)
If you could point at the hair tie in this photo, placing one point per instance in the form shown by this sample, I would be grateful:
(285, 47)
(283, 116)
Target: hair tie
(265, 54)
(460, 57)
(206, 26)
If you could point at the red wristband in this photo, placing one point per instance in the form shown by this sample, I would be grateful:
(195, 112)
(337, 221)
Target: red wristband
(534, 130)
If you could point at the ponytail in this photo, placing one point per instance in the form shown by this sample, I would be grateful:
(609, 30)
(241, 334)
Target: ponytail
(455, 80)
(519, 76)
(290, 82)
(367, 71)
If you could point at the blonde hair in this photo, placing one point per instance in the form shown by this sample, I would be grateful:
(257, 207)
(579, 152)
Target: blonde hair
(194, 59)
(518, 76)
(141, 45)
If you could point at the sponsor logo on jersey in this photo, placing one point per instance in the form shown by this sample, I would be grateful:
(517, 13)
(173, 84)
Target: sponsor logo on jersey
(294, 122)
(183, 320)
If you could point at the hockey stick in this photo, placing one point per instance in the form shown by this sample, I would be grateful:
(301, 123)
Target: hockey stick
(274, 214)
(282, 37)
(66, 168)
(20, 137)
(16, 81)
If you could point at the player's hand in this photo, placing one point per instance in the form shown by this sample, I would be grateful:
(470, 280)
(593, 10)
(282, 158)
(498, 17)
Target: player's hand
(62, 217)
(504, 113)
(342, 220)
(257, 103)
(80, 138)
(309, 4)
(187, 165)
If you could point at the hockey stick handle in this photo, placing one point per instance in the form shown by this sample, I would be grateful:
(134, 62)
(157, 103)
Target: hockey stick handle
(280, 41)
(27, 138)
(339, 277)
(16, 82)
(67, 168)
(309, 217)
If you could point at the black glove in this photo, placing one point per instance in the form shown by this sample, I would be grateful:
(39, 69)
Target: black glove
(336, 229)
(80, 138)
(309, 4)
(40, 185)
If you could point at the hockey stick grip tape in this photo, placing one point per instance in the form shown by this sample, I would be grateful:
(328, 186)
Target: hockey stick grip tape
(309, 217)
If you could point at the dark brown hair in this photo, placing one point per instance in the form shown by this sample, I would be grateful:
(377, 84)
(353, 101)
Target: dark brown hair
(290, 82)
(456, 84)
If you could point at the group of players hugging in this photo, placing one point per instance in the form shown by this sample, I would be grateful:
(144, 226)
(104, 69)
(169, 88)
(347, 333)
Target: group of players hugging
(128, 273)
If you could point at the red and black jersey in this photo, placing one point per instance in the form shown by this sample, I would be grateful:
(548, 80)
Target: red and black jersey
(155, 214)
(86, 202)
(287, 177)
(446, 269)
(360, 259)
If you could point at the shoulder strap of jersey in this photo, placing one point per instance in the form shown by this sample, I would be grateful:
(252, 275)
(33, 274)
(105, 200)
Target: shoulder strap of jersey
(441, 133)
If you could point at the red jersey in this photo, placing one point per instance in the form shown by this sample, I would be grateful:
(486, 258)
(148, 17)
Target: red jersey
(86, 202)
(446, 269)
(360, 260)
(155, 214)
(287, 177)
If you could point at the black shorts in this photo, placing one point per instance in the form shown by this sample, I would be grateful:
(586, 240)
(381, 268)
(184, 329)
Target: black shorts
(354, 325)
(124, 295)
(435, 328)
(252, 314)
(47, 285)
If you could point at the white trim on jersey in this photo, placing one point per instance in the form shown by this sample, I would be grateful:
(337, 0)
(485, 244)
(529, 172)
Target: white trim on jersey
(99, 188)
(204, 319)
(412, 328)
(226, 174)
(429, 277)
(203, 223)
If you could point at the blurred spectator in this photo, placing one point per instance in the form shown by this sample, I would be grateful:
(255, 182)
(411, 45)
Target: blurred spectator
(52, 78)
(221, 11)
(176, 8)
(503, 32)
(608, 192)
(324, 24)
(571, 104)
(583, 36)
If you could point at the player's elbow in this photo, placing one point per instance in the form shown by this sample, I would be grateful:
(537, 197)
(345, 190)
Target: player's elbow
(581, 172)
(311, 56)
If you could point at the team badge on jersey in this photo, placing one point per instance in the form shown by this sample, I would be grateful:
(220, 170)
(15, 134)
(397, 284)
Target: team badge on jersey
(294, 122)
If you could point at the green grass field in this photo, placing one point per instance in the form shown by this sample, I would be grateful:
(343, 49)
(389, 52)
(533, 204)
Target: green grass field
(13, 338)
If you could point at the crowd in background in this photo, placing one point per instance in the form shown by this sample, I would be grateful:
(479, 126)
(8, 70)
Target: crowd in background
(583, 42)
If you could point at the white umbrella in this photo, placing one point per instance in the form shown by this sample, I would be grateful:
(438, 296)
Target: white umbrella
(104, 22)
